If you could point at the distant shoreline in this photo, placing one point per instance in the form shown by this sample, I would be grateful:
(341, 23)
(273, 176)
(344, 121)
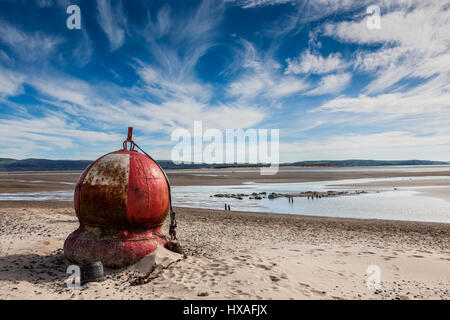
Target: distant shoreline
(11, 165)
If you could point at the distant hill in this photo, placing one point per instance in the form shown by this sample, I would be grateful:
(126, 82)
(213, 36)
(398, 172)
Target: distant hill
(42, 164)
(7, 164)
(367, 163)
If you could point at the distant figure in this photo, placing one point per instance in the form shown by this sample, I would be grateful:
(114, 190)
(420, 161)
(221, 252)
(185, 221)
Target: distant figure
(225, 207)
(229, 208)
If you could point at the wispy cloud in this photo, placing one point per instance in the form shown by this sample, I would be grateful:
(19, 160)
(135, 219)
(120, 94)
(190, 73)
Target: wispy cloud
(29, 46)
(177, 42)
(10, 83)
(312, 68)
(39, 135)
(412, 41)
(314, 63)
(331, 84)
(260, 3)
(113, 21)
(400, 104)
(84, 50)
(372, 146)
(263, 78)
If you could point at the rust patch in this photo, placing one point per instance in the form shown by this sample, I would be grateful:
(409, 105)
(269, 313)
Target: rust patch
(103, 193)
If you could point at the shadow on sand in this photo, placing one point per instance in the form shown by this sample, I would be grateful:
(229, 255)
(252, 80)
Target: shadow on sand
(34, 268)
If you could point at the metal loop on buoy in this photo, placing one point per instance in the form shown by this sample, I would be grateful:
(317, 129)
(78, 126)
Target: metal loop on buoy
(129, 139)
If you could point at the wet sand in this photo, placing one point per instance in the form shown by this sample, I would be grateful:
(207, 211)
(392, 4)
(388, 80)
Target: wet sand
(237, 255)
(216, 177)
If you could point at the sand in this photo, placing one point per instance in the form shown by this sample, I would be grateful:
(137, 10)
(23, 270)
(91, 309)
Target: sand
(236, 255)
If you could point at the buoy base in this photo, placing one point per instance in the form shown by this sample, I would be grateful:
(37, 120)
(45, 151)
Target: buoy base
(115, 248)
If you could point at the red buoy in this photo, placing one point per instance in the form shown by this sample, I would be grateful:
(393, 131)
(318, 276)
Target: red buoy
(121, 201)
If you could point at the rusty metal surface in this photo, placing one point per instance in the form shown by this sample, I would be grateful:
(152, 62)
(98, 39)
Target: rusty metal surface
(104, 191)
(148, 193)
(85, 246)
(121, 200)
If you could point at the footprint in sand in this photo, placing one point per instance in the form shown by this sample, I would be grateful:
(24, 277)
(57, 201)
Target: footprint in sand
(263, 266)
(304, 285)
(342, 253)
(387, 258)
(367, 252)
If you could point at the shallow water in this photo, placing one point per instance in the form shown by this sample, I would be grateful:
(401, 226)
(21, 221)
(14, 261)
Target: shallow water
(62, 195)
(380, 203)
(405, 203)
(37, 181)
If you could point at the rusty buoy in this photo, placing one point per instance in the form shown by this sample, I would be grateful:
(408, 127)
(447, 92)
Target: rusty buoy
(121, 201)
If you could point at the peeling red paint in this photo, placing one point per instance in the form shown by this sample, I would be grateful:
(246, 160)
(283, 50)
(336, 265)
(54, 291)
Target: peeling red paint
(121, 201)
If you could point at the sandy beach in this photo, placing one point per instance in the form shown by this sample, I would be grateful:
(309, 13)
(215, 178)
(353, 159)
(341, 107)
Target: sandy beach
(237, 255)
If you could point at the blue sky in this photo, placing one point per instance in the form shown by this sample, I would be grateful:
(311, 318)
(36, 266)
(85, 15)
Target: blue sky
(313, 69)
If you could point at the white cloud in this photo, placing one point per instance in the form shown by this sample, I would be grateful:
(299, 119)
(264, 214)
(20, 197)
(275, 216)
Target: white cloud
(394, 103)
(261, 77)
(115, 107)
(331, 84)
(182, 113)
(10, 83)
(166, 86)
(113, 22)
(311, 63)
(84, 50)
(266, 85)
(260, 3)
(422, 27)
(44, 134)
(29, 46)
(389, 145)
(414, 42)
(190, 35)
(249, 86)
(288, 86)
